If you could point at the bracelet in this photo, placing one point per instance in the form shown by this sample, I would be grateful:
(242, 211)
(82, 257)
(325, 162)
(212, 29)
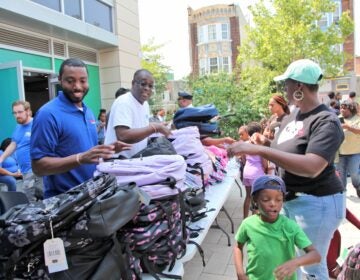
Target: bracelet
(153, 126)
(78, 158)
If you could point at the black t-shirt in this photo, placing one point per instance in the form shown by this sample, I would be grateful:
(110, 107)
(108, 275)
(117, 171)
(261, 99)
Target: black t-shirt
(318, 132)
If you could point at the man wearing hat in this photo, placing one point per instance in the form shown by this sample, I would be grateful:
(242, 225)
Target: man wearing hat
(185, 99)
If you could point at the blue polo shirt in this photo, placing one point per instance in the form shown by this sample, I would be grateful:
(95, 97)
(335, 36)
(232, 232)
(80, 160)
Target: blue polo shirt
(21, 136)
(60, 129)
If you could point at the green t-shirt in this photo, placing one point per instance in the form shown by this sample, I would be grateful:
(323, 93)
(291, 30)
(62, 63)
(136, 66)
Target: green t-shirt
(269, 245)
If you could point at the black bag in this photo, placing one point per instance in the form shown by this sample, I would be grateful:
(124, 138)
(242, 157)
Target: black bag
(157, 146)
(102, 207)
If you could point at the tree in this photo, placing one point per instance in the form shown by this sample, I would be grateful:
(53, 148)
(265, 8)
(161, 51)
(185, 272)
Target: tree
(224, 92)
(152, 61)
(285, 32)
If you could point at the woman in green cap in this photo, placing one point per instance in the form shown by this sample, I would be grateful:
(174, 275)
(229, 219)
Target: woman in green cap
(304, 149)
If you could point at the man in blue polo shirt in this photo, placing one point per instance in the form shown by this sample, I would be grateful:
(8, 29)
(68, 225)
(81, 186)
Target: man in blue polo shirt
(64, 140)
(20, 146)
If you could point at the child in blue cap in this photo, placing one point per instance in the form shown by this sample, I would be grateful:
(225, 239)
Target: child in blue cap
(270, 237)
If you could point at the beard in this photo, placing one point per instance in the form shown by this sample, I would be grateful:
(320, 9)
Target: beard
(72, 96)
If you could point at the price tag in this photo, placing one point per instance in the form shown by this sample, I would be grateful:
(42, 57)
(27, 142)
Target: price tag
(54, 253)
(144, 196)
(340, 260)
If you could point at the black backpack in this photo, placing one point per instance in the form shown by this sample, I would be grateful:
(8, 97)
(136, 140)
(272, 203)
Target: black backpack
(86, 218)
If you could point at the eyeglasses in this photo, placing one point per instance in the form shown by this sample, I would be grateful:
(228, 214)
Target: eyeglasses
(143, 84)
(18, 112)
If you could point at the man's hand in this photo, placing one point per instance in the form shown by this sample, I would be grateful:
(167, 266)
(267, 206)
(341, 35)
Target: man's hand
(160, 128)
(99, 152)
(121, 146)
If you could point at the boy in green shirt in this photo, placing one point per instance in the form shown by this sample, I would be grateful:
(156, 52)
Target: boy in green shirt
(271, 238)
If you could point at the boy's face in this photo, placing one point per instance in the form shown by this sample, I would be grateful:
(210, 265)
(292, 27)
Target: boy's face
(269, 203)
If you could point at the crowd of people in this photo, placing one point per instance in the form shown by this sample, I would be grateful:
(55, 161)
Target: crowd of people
(295, 164)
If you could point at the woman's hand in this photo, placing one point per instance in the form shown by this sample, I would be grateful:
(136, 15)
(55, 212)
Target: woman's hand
(239, 148)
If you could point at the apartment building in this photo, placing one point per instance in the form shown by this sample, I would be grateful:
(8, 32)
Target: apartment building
(37, 35)
(215, 33)
(350, 81)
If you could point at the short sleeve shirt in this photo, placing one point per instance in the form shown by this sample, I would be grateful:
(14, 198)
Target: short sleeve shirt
(21, 136)
(269, 244)
(127, 111)
(318, 132)
(61, 129)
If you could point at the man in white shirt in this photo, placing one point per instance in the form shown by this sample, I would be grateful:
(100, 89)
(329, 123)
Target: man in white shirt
(129, 115)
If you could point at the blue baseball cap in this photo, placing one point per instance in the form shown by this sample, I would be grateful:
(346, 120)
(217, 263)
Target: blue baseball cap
(185, 95)
(266, 182)
(302, 70)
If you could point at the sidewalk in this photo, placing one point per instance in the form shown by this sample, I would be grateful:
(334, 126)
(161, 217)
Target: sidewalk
(219, 257)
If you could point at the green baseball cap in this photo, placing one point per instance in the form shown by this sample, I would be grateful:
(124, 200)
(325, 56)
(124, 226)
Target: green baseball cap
(302, 70)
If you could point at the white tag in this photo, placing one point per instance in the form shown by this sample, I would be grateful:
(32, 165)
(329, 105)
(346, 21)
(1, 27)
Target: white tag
(145, 198)
(54, 253)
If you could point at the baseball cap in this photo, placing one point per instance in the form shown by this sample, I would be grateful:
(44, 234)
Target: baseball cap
(302, 70)
(185, 95)
(266, 182)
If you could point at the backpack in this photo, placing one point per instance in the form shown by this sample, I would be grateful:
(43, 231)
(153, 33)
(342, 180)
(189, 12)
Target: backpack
(86, 218)
(151, 174)
(157, 236)
(350, 270)
(201, 116)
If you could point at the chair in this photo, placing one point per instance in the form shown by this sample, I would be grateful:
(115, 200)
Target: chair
(10, 199)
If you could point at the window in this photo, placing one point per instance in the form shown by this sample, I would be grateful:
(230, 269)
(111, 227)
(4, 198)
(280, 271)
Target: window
(212, 32)
(52, 4)
(213, 65)
(224, 31)
(225, 64)
(72, 8)
(98, 14)
(200, 34)
(202, 66)
(323, 22)
(337, 13)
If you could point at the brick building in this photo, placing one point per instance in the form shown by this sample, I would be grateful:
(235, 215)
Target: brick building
(215, 33)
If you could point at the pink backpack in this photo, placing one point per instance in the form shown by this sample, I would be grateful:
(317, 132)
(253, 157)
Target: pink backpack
(158, 175)
(186, 142)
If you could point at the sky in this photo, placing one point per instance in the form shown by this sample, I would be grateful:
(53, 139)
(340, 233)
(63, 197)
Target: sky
(166, 22)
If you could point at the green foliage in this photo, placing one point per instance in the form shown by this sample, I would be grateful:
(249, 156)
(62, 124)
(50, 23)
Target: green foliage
(283, 31)
(289, 31)
(225, 92)
(152, 61)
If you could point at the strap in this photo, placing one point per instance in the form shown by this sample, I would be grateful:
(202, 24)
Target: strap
(122, 263)
(200, 250)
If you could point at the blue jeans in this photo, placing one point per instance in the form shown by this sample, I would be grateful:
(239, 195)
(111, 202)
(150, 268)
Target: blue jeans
(349, 164)
(319, 217)
(10, 181)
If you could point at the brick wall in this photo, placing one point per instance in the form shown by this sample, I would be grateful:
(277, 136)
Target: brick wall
(194, 50)
(348, 5)
(235, 37)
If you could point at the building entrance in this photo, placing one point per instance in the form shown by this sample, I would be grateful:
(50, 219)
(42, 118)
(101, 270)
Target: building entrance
(36, 86)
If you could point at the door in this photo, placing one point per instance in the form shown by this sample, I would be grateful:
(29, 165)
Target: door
(11, 89)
